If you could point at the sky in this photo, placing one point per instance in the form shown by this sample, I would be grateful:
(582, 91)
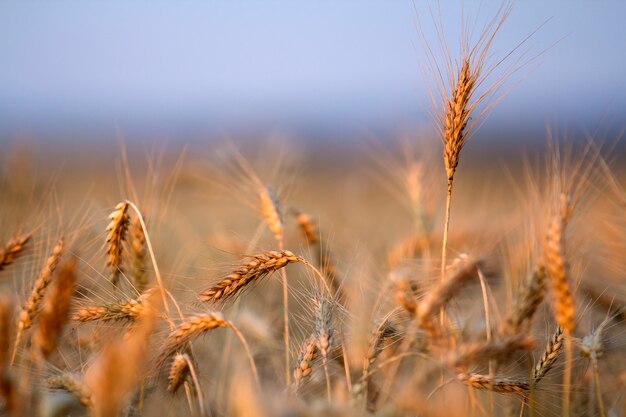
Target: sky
(351, 66)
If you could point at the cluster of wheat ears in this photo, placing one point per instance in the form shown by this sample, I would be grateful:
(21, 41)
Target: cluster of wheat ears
(475, 340)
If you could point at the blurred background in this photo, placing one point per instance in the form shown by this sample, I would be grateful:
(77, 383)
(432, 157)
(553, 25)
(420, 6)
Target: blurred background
(320, 72)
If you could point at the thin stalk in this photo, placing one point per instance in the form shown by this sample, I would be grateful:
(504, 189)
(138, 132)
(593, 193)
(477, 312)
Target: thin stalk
(567, 375)
(281, 246)
(246, 347)
(196, 382)
(596, 380)
(444, 246)
(325, 366)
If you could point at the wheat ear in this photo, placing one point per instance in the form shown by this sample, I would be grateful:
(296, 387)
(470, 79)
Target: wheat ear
(499, 384)
(306, 356)
(194, 326)
(312, 237)
(445, 290)
(138, 254)
(12, 249)
(549, 356)
(179, 370)
(31, 308)
(73, 385)
(121, 310)
(527, 302)
(253, 270)
(563, 303)
(56, 308)
(116, 234)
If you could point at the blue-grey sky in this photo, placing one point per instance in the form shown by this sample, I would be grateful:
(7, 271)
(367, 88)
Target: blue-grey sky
(227, 64)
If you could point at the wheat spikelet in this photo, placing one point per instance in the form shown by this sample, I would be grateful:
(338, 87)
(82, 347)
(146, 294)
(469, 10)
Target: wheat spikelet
(527, 301)
(184, 332)
(270, 209)
(55, 310)
(405, 291)
(306, 356)
(13, 249)
(444, 291)
(553, 350)
(179, 370)
(307, 228)
(457, 115)
(31, 308)
(129, 309)
(73, 385)
(592, 346)
(116, 233)
(258, 267)
(323, 324)
(138, 254)
(324, 260)
(499, 384)
(380, 334)
(556, 270)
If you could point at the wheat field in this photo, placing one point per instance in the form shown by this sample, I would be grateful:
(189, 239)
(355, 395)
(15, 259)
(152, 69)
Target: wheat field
(409, 277)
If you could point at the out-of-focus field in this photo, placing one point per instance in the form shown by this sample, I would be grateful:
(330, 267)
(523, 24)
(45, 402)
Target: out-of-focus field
(378, 213)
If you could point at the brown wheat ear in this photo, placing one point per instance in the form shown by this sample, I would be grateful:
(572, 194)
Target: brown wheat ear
(306, 356)
(73, 385)
(116, 233)
(556, 269)
(499, 384)
(553, 350)
(258, 267)
(179, 370)
(444, 291)
(457, 115)
(270, 209)
(527, 301)
(31, 308)
(13, 249)
(138, 253)
(55, 310)
(380, 334)
(187, 330)
(121, 310)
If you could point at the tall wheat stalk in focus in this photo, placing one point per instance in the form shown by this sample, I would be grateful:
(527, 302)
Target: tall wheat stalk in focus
(455, 98)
